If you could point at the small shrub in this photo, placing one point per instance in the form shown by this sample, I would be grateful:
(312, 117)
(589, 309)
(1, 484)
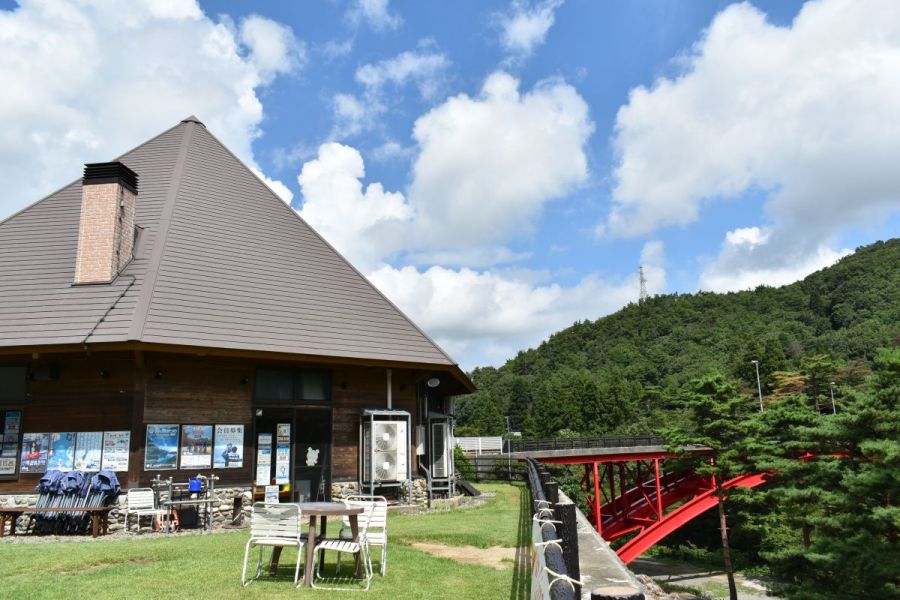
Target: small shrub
(463, 464)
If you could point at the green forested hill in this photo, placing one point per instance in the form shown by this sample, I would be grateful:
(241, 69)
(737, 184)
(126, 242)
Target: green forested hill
(620, 373)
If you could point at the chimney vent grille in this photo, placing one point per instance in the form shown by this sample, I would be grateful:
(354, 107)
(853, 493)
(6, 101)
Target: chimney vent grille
(110, 172)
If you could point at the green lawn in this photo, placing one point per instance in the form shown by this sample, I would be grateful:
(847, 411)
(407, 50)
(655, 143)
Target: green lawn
(208, 566)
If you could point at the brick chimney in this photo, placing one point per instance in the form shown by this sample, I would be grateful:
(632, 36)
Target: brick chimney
(106, 229)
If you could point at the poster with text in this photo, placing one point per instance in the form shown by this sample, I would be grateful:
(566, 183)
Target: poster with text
(11, 422)
(162, 448)
(115, 450)
(9, 447)
(88, 450)
(229, 451)
(34, 452)
(8, 466)
(9, 437)
(196, 446)
(264, 459)
(62, 451)
(283, 454)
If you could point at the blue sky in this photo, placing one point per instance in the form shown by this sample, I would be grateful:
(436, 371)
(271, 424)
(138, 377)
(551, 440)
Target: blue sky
(498, 169)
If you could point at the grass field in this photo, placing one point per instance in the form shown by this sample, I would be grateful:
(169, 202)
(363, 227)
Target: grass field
(208, 566)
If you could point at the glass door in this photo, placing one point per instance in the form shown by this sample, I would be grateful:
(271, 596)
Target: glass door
(312, 454)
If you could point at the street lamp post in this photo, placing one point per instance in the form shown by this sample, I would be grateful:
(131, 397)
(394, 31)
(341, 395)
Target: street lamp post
(833, 407)
(758, 384)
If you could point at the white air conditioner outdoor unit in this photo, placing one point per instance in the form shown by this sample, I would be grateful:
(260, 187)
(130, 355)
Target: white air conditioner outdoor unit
(388, 462)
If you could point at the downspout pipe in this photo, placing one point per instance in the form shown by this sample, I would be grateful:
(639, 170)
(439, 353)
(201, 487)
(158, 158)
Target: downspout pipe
(390, 390)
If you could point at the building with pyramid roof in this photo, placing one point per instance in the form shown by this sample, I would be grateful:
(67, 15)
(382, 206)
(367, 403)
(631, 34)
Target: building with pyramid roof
(170, 296)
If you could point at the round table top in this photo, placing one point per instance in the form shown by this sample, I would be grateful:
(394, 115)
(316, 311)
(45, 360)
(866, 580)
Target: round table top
(329, 509)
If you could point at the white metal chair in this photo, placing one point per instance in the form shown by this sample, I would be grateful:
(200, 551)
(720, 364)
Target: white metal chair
(141, 503)
(376, 531)
(273, 525)
(345, 546)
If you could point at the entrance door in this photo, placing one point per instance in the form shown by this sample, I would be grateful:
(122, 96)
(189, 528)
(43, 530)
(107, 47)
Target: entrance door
(312, 454)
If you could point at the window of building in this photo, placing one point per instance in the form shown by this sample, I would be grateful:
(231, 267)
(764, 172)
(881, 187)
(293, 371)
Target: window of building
(12, 384)
(289, 386)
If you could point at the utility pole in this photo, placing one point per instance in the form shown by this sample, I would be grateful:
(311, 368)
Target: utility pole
(758, 384)
(643, 280)
(833, 407)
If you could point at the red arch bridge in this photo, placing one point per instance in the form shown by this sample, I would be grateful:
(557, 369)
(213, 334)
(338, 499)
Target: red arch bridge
(627, 488)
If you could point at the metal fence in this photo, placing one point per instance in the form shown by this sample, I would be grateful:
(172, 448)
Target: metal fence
(480, 445)
(625, 441)
(496, 467)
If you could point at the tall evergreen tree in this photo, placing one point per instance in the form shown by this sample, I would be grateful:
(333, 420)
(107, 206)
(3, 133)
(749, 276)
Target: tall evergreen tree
(719, 420)
(843, 500)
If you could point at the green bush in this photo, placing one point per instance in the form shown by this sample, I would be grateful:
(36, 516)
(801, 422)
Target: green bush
(463, 464)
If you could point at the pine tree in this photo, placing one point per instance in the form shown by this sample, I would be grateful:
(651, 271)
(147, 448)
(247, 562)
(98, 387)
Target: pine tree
(843, 502)
(719, 420)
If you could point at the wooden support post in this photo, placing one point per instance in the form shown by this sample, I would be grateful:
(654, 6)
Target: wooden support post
(138, 431)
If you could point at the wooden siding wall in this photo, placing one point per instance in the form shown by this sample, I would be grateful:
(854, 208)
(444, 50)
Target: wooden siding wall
(81, 399)
(185, 390)
(356, 388)
(190, 390)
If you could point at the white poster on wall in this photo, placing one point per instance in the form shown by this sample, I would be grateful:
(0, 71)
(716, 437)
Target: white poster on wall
(8, 466)
(264, 459)
(283, 454)
(196, 446)
(88, 450)
(115, 450)
(229, 451)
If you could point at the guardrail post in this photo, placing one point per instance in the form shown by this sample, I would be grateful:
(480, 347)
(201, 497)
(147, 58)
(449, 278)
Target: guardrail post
(568, 532)
(551, 490)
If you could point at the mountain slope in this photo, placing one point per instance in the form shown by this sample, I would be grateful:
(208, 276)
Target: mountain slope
(620, 372)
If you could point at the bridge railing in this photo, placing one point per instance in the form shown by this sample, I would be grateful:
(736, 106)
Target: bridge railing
(625, 441)
(554, 539)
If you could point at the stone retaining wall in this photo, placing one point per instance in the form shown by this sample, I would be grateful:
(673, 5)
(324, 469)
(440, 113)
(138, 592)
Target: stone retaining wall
(222, 510)
(342, 489)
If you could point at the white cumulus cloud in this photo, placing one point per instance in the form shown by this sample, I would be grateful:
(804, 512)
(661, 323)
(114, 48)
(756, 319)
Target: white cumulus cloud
(273, 48)
(365, 225)
(484, 168)
(525, 25)
(84, 83)
(424, 69)
(487, 316)
(374, 13)
(381, 81)
(746, 261)
(487, 165)
(806, 113)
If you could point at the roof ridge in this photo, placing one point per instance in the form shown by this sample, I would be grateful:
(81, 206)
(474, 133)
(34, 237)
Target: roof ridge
(145, 295)
(333, 249)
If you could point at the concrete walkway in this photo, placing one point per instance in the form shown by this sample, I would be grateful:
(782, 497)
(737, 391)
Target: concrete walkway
(690, 576)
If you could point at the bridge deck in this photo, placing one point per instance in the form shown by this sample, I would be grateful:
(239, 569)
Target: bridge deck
(579, 455)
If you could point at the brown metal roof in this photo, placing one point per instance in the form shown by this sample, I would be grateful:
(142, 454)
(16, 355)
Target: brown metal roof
(220, 262)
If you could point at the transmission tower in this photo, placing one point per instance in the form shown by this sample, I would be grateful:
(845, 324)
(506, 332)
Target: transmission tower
(643, 281)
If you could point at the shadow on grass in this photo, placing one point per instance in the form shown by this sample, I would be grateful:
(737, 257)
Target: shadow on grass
(521, 583)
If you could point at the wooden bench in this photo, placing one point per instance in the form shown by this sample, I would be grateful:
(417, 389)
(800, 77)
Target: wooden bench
(99, 516)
